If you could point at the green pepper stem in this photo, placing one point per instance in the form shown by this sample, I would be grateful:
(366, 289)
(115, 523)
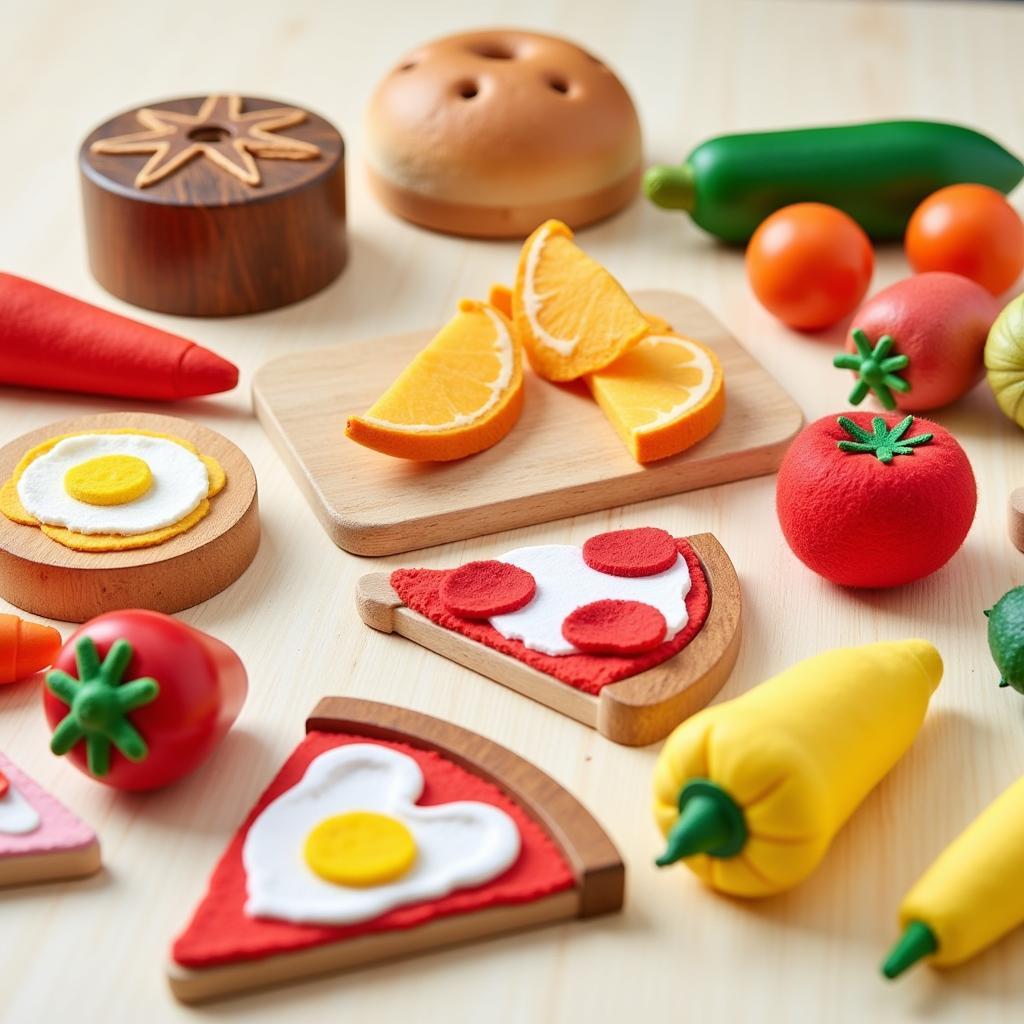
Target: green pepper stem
(709, 821)
(671, 187)
(916, 942)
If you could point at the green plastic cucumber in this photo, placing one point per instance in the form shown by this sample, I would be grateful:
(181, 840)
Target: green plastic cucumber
(877, 173)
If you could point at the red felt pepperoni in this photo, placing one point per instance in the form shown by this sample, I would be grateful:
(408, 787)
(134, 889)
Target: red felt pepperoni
(4, 785)
(478, 590)
(615, 627)
(641, 552)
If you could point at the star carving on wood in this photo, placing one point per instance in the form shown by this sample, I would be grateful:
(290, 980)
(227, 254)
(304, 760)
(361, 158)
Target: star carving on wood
(219, 131)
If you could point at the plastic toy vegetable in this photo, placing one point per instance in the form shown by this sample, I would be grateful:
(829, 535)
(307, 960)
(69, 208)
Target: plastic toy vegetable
(25, 647)
(1006, 637)
(970, 230)
(1004, 360)
(919, 343)
(751, 792)
(877, 173)
(875, 501)
(810, 265)
(137, 699)
(971, 896)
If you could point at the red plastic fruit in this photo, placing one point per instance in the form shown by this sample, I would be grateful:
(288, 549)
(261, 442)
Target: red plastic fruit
(969, 230)
(881, 510)
(810, 264)
(615, 627)
(478, 590)
(938, 323)
(644, 551)
(137, 699)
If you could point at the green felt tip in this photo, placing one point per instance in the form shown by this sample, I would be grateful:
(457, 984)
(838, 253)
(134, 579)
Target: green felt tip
(709, 822)
(916, 942)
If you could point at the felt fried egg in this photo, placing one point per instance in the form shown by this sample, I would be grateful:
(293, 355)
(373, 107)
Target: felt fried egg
(111, 490)
(348, 842)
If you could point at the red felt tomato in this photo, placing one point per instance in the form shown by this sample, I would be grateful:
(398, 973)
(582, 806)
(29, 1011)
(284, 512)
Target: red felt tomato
(810, 264)
(969, 230)
(875, 500)
(137, 699)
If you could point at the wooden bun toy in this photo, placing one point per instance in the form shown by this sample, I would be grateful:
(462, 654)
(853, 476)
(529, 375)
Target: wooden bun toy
(215, 205)
(628, 634)
(133, 511)
(488, 133)
(40, 839)
(351, 855)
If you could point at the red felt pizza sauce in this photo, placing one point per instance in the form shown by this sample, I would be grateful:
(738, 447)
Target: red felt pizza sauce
(875, 500)
(644, 551)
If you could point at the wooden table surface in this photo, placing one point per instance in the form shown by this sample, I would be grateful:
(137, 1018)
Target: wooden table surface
(95, 950)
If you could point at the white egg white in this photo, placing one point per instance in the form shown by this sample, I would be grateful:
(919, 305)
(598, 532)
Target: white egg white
(180, 482)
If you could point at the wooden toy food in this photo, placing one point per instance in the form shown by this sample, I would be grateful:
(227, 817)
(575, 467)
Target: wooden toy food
(663, 395)
(809, 265)
(137, 699)
(215, 205)
(573, 317)
(463, 393)
(877, 173)
(875, 501)
(918, 344)
(50, 340)
(971, 896)
(25, 647)
(40, 839)
(123, 509)
(388, 833)
(628, 634)
(1004, 359)
(1006, 637)
(750, 793)
(488, 133)
(970, 230)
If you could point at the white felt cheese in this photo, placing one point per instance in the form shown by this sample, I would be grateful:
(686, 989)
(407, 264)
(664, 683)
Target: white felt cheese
(17, 815)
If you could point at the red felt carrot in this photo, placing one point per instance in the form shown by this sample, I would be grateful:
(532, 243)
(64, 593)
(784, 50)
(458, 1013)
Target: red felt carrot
(50, 340)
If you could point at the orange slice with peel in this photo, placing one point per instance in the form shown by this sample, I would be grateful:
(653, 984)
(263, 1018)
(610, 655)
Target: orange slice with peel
(460, 395)
(663, 396)
(572, 316)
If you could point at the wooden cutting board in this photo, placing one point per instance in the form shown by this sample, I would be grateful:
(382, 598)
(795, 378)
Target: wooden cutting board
(562, 459)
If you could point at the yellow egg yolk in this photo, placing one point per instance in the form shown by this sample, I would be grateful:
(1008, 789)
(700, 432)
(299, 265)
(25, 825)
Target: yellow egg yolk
(360, 849)
(108, 480)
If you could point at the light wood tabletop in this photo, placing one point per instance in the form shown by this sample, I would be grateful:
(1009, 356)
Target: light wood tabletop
(96, 949)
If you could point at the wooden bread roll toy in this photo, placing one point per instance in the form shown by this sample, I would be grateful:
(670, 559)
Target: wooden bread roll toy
(489, 133)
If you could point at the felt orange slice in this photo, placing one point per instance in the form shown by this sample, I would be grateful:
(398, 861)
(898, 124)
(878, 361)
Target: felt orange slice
(460, 395)
(664, 395)
(573, 317)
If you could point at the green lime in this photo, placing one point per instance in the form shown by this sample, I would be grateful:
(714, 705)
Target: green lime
(1006, 637)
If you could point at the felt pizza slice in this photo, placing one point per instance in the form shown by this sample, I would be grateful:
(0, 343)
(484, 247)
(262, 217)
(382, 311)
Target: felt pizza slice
(387, 833)
(628, 633)
(40, 839)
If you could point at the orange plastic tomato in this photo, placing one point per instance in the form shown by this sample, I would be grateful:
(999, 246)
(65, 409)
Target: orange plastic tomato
(969, 230)
(810, 265)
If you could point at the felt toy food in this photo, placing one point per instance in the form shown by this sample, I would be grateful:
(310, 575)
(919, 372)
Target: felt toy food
(40, 839)
(662, 396)
(112, 490)
(573, 317)
(488, 133)
(1004, 359)
(386, 833)
(50, 340)
(809, 265)
(25, 647)
(751, 792)
(971, 896)
(614, 633)
(877, 173)
(137, 699)
(918, 344)
(463, 393)
(875, 501)
(1006, 637)
(970, 230)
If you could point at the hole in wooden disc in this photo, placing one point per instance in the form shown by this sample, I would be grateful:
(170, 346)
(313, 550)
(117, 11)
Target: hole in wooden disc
(467, 90)
(407, 66)
(493, 51)
(208, 133)
(558, 84)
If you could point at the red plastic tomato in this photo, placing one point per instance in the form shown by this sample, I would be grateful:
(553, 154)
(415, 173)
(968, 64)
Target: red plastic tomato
(969, 230)
(137, 699)
(810, 265)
